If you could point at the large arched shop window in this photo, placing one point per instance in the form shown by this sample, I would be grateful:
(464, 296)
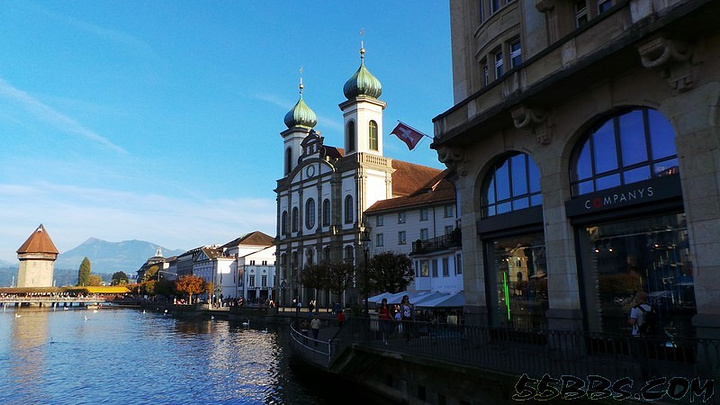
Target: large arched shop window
(517, 262)
(630, 147)
(373, 135)
(310, 213)
(512, 184)
(628, 253)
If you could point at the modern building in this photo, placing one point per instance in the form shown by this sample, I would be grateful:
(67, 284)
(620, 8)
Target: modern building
(424, 226)
(325, 190)
(585, 137)
(37, 260)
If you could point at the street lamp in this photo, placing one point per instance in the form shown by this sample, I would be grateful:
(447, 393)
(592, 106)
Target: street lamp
(365, 243)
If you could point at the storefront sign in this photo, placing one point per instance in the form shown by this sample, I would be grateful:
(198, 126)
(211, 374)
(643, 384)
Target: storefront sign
(645, 192)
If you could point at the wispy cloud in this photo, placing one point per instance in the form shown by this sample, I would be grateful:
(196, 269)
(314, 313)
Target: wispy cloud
(73, 214)
(53, 117)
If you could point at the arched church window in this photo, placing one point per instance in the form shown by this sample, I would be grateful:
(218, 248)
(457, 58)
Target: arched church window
(310, 213)
(512, 184)
(350, 145)
(349, 208)
(288, 160)
(326, 213)
(309, 256)
(326, 254)
(295, 219)
(284, 223)
(349, 253)
(629, 147)
(373, 135)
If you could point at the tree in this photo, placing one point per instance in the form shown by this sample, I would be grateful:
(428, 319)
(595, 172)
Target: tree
(95, 280)
(314, 276)
(190, 285)
(390, 272)
(340, 276)
(84, 273)
(119, 278)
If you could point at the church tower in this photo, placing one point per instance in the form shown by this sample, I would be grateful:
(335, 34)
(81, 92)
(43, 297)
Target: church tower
(363, 112)
(37, 260)
(299, 120)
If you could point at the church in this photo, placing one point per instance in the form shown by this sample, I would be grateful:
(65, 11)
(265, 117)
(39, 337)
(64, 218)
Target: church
(325, 190)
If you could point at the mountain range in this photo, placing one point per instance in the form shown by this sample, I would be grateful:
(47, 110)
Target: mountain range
(105, 258)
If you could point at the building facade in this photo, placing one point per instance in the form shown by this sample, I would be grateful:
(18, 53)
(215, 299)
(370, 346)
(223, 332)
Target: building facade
(325, 190)
(585, 138)
(37, 260)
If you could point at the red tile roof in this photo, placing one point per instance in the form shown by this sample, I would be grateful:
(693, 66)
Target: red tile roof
(437, 190)
(38, 242)
(409, 177)
(256, 238)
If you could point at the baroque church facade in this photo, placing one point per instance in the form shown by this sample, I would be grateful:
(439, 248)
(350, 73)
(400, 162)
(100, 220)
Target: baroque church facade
(325, 190)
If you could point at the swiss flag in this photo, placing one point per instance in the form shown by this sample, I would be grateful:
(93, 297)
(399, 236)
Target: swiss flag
(407, 134)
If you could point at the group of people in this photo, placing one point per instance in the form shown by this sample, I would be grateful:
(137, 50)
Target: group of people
(397, 318)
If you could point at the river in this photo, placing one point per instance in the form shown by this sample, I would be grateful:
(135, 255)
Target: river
(125, 356)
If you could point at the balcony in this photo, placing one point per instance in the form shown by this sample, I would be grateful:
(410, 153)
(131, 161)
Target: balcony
(445, 242)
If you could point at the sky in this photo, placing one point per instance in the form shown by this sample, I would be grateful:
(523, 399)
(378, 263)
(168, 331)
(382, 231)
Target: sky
(160, 120)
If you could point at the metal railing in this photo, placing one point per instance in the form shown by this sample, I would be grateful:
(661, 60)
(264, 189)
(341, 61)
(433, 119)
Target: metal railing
(451, 240)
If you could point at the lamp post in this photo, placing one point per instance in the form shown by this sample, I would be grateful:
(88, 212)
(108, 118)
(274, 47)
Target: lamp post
(365, 243)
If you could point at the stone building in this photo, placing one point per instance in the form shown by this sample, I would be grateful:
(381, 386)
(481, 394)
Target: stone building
(37, 260)
(585, 137)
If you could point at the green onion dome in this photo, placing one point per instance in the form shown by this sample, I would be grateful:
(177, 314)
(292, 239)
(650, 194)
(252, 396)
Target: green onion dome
(300, 115)
(362, 83)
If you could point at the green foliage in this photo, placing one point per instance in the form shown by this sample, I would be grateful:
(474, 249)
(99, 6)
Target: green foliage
(315, 276)
(119, 278)
(389, 272)
(340, 277)
(84, 273)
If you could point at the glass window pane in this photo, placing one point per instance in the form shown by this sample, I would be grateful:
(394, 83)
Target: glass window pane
(502, 180)
(491, 211)
(519, 178)
(585, 187)
(632, 138)
(491, 192)
(666, 167)
(639, 174)
(535, 200)
(604, 183)
(583, 167)
(503, 208)
(534, 179)
(605, 150)
(520, 203)
(662, 135)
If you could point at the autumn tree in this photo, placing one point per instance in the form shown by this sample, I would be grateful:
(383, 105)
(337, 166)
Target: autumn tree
(190, 285)
(84, 273)
(95, 280)
(119, 278)
(389, 272)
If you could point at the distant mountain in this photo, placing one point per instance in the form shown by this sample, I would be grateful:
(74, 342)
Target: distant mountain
(109, 257)
(3, 263)
(61, 277)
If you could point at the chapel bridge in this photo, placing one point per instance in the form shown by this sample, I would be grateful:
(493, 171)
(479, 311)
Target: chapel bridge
(59, 296)
(443, 361)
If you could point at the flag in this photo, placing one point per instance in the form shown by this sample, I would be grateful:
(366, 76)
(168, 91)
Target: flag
(407, 134)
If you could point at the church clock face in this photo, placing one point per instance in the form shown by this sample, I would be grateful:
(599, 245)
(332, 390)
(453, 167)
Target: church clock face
(310, 171)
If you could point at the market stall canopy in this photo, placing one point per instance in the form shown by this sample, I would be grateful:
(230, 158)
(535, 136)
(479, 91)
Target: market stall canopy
(416, 297)
(456, 300)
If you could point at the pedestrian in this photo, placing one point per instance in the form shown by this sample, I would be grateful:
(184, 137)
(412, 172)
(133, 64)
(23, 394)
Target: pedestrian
(406, 309)
(341, 318)
(315, 326)
(385, 320)
(298, 306)
(639, 345)
(304, 329)
(311, 305)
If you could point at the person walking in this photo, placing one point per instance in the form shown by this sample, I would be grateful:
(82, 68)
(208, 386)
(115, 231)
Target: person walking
(315, 326)
(638, 318)
(385, 319)
(406, 311)
(341, 317)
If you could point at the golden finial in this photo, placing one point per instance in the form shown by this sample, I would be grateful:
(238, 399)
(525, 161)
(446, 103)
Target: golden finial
(362, 44)
(301, 83)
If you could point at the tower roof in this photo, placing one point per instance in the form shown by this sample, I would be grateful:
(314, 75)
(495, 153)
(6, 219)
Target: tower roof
(38, 242)
(300, 115)
(362, 83)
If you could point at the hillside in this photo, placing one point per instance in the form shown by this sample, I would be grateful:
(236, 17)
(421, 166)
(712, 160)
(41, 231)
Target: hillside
(109, 257)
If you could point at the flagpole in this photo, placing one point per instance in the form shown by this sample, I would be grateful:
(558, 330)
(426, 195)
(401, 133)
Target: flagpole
(419, 132)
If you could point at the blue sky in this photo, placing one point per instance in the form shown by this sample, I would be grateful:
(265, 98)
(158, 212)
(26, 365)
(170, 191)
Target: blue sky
(160, 120)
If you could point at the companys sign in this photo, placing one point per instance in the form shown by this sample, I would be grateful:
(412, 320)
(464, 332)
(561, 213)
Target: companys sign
(645, 192)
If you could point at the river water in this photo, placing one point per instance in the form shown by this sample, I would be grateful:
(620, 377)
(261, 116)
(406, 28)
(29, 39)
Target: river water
(124, 356)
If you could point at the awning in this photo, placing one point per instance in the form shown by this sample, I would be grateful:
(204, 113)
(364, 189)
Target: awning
(456, 300)
(416, 297)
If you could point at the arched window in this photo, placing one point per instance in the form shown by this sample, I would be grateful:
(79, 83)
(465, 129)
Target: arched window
(295, 219)
(350, 146)
(326, 213)
(633, 146)
(349, 208)
(512, 184)
(349, 253)
(310, 213)
(288, 160)
(326, 254)
(373, 135)
(309, 256)
(283, 223)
